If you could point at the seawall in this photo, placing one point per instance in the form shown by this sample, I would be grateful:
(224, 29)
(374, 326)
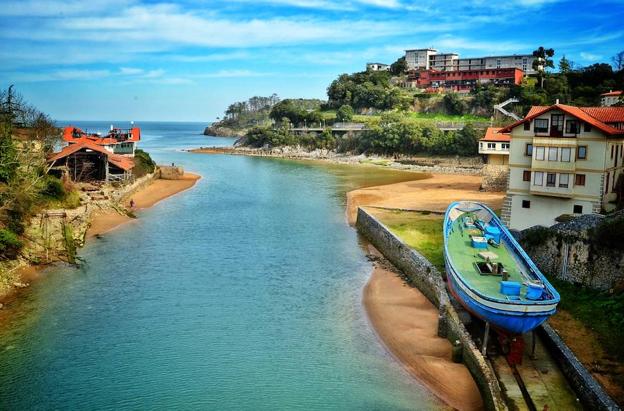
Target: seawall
(421, 274)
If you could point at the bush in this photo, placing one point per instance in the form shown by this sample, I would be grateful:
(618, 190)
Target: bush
(143, 163)
(454, 104)
(53, 187)
(344, 113)
(10, 243)
(609, 233)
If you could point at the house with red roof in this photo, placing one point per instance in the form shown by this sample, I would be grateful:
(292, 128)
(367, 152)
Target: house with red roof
(93, 157)
(611, 98)
(563, 160)
(494, 146)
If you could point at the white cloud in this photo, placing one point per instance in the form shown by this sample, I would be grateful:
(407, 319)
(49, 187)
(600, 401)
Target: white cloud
(590, 56)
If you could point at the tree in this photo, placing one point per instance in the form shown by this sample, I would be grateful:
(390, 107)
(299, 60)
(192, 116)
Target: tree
(399, 67)
(618, 61)
(564, 65)
(454, 104)
(542, 61)
(344, 113)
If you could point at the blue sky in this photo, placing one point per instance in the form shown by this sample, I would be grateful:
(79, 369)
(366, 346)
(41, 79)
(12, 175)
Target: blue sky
(187, 60)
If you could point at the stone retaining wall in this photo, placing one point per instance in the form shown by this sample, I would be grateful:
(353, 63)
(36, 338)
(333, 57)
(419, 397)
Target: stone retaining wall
(590, 392)
(170, 172)
(424, 276)
(495, 177)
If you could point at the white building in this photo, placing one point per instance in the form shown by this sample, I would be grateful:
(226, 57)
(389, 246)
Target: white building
(377, 67)
(610, 98)
(495, 146)
(430, 59)
(563, 160)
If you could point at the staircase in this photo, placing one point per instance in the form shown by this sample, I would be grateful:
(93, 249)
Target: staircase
(500, 107)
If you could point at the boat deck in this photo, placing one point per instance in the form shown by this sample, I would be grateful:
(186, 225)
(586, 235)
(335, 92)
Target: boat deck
(464, 258)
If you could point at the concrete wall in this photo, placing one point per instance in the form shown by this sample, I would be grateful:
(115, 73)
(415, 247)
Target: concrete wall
(424, 276)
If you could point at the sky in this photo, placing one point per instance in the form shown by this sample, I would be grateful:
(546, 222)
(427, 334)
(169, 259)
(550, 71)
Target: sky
(188, 60)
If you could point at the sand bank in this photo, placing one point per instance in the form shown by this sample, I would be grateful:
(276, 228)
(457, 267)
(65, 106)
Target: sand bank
(431, 194)
(407, 323)
(157, 191)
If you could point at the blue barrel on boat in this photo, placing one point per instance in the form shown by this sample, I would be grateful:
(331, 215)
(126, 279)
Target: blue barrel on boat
(492, 233)
(534, 291)
(510, 287)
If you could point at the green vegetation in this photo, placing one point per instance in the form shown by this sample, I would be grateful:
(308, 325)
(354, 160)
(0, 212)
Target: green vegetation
(55, 193)
(245, 114)
(9, 243)
(608, 233)
(297, 112)
(366, 90)
(345, 113)
(420, 230)
(143, 163)
(600, 311)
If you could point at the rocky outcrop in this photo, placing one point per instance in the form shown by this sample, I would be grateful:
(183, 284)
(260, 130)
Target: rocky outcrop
(570, 251)
(222, 131)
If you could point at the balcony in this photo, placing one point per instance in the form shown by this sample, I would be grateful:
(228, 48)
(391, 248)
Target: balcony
(560, 166)
(552, 191)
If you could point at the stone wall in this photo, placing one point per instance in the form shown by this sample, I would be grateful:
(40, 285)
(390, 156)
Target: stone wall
(567, 252)
(170, 172)
(495, 177)
(421, 274)
(590, 392)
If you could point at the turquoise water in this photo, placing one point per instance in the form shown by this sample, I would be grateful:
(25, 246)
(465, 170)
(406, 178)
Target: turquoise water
(243, 293)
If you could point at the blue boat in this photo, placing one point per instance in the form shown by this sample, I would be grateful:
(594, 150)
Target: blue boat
(490, 274)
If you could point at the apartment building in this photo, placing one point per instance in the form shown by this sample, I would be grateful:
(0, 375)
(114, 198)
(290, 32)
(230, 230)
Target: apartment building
(494, 146)
(377, 67)
(462, 80)
(563, 160)
(430, 59)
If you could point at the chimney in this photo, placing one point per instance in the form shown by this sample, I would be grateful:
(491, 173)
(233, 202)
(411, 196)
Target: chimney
(557, 101)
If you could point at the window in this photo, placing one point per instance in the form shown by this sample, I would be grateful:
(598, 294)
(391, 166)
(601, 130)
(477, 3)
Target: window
(612, 150)
(550, 179)
(491, 146)
(581, 153)
(586, 127)
(538, 178)
(556, 126)
(572, 127)
(505, 146)
(528, 150)
(564, 180)
(526, 175)
(607, 184)
(552, 153)
(566, 154)
(526, 204)
(527, 125)
(539, 153)
(541, 125)
(578, 209)
(579, 180)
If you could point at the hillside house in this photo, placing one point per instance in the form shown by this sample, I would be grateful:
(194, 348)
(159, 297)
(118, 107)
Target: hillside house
(494, 146)
(610, 98)
(563, 160)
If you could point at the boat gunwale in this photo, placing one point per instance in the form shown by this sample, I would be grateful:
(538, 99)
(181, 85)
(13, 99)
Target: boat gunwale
(516, 248)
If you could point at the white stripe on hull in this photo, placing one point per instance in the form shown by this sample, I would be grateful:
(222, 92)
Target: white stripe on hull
(511, 307)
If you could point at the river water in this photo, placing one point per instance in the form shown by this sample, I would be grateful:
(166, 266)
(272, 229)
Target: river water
(243, 293)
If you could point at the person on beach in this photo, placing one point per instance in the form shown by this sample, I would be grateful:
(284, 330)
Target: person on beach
(132, 203)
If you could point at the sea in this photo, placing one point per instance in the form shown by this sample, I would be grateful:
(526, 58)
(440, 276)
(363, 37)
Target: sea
(243, 293)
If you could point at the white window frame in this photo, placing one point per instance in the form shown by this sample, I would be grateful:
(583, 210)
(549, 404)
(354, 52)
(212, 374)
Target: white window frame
(555, 151)
(537, 174)
(566, 158)
(539, 150)
(564, 180)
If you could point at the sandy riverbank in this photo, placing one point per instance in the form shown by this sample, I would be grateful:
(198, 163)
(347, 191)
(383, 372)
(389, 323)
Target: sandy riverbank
(431, 194)
(157, 191)
(407, 323)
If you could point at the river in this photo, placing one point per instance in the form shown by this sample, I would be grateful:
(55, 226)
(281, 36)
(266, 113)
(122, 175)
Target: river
(243, 293)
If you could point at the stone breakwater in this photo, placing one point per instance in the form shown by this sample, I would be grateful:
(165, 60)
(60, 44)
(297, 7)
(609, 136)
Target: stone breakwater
(420, 273)
(440, 165)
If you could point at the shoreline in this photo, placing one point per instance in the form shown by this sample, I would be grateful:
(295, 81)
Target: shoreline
(102, 222)
(471, 166)
(406, 324)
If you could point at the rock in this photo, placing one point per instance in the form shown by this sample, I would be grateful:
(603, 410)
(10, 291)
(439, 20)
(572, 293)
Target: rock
(20, 285)
(1, 305)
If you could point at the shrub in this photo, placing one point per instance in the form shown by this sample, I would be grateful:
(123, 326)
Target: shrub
(10, 243)
(53, 188)
(143, 163)
(535, 236)
(344, 113)
(609, 233)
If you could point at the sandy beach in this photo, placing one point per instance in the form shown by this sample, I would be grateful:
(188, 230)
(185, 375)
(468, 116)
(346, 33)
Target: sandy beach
(407, 323)
(157, 191)
(431, 194)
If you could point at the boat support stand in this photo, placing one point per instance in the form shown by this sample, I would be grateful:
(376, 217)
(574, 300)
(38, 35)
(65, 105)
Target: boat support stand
(485, 338)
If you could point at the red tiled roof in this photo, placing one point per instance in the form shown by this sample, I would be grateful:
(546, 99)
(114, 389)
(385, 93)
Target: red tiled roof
(606, 114)
(585, 114)
(612, 93)
(492, 134)
(134, 134)
(125, 163)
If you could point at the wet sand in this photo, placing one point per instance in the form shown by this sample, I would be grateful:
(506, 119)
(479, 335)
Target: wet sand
(407, 324)
(431, 194)
(145, 198)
